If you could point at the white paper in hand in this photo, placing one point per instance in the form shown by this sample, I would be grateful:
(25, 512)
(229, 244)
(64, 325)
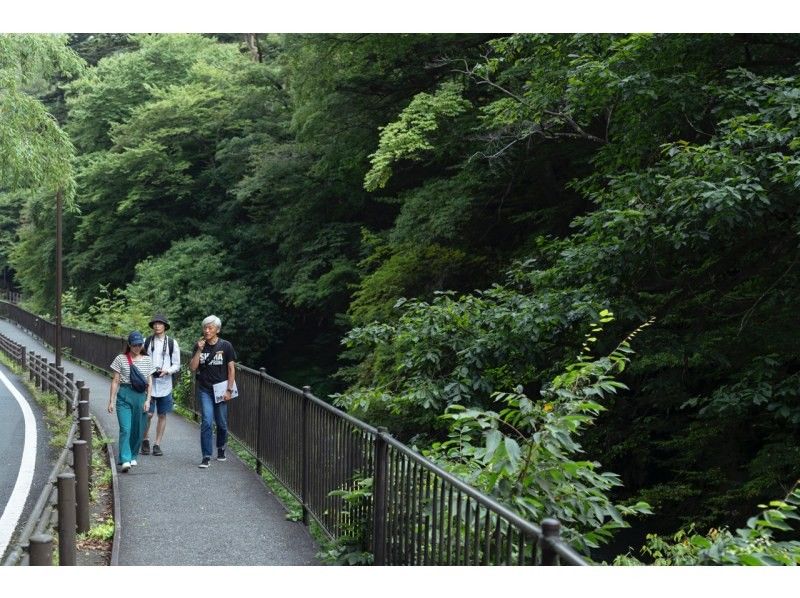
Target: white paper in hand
(219, 391)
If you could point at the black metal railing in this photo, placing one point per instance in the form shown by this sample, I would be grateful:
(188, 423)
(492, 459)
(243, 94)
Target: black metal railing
(10, 295)
(63, 504)
(415, 514)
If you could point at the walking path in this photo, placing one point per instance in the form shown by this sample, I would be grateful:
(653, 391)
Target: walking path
(174, 513)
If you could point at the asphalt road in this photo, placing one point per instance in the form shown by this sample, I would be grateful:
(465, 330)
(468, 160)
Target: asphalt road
(23, 469)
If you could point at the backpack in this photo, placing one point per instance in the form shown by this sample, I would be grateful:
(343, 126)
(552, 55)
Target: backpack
(170, 344)
(138, 381)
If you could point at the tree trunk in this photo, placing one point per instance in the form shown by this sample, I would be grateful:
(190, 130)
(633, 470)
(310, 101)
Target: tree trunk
(252, 44)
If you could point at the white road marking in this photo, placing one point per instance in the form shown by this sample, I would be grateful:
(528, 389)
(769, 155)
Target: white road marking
(13, 510)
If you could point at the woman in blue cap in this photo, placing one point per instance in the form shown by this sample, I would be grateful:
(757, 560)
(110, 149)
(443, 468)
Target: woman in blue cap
(132, 405)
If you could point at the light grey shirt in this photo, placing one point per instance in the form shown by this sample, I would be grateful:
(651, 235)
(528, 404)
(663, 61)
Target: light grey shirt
(159, 353)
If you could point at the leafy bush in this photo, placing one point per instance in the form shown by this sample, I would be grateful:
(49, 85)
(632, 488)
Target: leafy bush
(754, 544)
(524, 454)
(350, 547)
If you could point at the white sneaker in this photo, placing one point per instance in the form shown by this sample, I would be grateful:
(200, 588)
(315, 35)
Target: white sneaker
(126, 466)
(133, 462)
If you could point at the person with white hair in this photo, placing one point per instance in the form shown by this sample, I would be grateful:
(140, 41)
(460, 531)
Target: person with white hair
(214, 360)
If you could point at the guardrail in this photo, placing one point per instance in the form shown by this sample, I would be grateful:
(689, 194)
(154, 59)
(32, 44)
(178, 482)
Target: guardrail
(64, 502)
(415, 513)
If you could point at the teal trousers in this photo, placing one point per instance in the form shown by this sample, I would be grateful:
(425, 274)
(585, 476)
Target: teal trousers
(132, 420)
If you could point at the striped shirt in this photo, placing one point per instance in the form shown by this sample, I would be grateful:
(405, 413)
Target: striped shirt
(120, 365)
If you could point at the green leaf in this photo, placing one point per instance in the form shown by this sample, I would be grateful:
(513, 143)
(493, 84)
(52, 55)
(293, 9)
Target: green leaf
(513, 452)
(493, 438)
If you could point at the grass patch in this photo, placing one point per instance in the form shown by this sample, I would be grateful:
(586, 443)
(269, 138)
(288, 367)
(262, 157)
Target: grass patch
(103, 530)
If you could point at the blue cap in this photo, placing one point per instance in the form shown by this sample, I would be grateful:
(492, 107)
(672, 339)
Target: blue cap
(135, 338)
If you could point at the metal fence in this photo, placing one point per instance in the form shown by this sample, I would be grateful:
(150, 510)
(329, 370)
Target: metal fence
(63, 504)
(415, 513)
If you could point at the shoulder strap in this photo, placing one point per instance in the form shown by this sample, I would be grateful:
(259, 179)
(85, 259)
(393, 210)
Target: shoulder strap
(170, 342)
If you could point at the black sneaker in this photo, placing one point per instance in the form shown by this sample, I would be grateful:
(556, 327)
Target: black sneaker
(221, 455)
(204, 463)
(157, 450)
(145, 447)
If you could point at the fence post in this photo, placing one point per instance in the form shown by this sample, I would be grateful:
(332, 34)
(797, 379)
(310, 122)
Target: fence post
(262, 376)
(83, 402)
(85, 427)
(45, 374)
(61, 390)
(379, 499)
(48, 374)
(306, 437)
(31, 365)
(66, 519)
(80, 463)
(40, 550)
(551, 530)
(22, 350)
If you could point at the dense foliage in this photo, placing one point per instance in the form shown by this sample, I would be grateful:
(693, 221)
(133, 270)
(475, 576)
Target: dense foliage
(758, 543)
(35, 153)
(420, 224)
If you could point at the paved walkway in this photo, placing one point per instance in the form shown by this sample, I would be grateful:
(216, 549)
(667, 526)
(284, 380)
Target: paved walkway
(174, 513)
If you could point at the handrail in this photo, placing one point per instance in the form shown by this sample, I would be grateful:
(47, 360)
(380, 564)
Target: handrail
(416, 513)
(569, 555)
(481, 498)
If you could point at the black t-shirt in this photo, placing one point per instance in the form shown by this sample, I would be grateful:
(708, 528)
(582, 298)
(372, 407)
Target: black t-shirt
(214, 362)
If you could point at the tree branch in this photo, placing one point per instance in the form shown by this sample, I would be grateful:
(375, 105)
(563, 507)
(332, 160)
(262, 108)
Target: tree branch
(577, 131)
(750, 311)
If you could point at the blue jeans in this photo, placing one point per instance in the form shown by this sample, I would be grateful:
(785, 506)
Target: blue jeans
(220, 413)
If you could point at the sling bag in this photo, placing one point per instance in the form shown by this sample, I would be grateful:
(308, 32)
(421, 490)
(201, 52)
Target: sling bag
(138, 381)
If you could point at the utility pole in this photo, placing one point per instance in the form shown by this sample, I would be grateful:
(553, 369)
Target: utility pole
(59, 244)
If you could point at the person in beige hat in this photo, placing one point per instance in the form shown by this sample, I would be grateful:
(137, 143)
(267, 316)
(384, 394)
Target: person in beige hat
(166, 357)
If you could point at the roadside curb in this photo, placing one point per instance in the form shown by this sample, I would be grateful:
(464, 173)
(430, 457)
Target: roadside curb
(117, 514)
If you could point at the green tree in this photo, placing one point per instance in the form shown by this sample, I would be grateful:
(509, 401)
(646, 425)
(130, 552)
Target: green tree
(528, 454)
(682, 152)
(181, 107)
(36, 155)
(193, 279)
(34, 151)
